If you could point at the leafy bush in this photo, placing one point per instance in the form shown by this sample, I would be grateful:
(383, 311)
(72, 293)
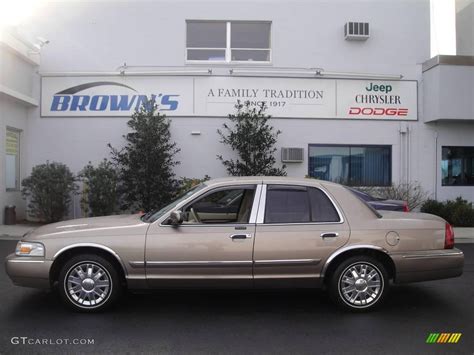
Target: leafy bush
(99, 194)
(186, 184)
(49, 189)
(254, 141)
(459, 213)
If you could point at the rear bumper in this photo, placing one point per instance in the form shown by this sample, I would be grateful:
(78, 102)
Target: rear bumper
(28, 271)
(428, 265)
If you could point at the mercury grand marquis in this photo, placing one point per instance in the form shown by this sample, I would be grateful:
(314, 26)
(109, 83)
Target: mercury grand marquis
(252, 232)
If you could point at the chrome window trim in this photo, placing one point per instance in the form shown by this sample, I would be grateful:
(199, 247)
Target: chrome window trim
(263, 201)
(255, 204)
(261, 206)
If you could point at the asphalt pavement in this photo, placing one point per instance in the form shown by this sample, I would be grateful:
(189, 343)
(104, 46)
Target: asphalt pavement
(241, 322)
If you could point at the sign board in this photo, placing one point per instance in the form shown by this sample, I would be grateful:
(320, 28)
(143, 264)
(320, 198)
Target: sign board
(216, 96)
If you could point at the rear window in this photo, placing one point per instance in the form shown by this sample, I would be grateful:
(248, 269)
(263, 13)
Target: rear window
(375, 212)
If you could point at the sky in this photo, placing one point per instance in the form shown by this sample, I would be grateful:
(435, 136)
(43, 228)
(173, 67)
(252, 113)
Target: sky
(442, 19)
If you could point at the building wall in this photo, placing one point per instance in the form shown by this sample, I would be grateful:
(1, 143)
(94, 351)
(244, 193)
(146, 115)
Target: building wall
(305, 34)
(465, 27)
(17, 74)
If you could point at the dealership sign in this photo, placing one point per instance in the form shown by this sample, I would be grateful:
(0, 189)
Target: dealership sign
(216, 96)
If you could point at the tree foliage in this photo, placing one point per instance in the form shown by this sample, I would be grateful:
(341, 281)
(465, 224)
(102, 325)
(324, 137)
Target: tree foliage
(145, 164)
(253, 139)
(49, 189)
(99, 194)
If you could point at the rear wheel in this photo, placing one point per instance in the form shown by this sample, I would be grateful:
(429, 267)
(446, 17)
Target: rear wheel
(359, 284)
(89, 283)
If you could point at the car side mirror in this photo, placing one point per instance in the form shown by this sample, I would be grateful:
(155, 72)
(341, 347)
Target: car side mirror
(175, 218)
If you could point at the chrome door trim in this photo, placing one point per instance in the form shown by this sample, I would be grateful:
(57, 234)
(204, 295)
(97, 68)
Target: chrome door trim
(198, 263)
(287, 262)
(136, 264)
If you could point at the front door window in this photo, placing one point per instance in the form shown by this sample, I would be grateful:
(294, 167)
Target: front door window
(229, 205)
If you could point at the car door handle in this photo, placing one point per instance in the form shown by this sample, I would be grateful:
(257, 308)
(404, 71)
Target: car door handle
(240, 236)
(329, 235)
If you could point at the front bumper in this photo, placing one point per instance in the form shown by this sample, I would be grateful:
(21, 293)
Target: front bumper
(428, 265)
(28, 271)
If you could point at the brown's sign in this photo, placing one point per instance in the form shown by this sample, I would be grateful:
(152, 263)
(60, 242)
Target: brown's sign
(215, 96)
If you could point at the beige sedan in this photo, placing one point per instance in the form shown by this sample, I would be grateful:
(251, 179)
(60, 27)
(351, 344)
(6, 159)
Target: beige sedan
(252, 232)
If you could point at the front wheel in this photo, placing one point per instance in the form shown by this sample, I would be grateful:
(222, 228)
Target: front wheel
(359, 284)
(89, 283)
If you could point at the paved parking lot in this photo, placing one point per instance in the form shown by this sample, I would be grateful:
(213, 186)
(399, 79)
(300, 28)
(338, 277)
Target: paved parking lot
(300, 321)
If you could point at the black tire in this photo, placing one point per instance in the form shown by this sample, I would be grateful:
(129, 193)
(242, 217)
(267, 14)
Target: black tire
(71, 291)
(365, 296)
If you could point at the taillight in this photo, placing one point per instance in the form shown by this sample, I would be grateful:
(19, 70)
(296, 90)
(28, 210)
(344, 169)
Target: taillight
(405, 207)
(448, 237)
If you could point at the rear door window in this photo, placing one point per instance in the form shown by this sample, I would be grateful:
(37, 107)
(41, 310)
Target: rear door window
(287, 204)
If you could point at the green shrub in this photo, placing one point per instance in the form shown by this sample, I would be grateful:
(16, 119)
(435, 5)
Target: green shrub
(458, 212)
(434, 207)
(99, 194)
(463, 216)
(49, 189)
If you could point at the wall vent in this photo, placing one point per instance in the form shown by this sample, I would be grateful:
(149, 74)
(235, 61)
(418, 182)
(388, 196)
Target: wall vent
(292, 155)
(356, 31)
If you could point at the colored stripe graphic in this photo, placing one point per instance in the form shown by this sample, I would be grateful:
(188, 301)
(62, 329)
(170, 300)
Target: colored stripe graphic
(443, 338)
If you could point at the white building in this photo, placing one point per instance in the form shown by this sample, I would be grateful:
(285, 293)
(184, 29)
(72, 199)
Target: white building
(350, 83)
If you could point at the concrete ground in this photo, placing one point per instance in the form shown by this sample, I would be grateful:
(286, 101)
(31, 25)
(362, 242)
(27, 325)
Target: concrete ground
(242, 322)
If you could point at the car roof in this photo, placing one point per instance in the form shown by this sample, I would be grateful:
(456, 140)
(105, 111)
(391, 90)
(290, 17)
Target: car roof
(267, 180)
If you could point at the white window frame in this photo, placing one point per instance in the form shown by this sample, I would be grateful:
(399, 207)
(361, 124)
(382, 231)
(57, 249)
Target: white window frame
(17, 160)
(228, 48)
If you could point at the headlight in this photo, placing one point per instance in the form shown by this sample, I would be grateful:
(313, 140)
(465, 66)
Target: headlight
(29, 249)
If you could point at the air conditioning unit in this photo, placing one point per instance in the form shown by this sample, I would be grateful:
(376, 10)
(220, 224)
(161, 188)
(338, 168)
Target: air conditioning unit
(292, 155)
(356, 31)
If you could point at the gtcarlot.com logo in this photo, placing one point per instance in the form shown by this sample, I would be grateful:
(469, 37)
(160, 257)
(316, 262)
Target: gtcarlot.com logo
(51, 341)
(443, 338)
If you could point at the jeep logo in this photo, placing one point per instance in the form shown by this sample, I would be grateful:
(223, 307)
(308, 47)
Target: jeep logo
(382, 88)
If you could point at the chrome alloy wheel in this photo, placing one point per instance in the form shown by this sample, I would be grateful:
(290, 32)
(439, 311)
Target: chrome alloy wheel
(88, 284)
(361, 285)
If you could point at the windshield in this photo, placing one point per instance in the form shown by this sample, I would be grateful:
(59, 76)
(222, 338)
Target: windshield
(152, 216)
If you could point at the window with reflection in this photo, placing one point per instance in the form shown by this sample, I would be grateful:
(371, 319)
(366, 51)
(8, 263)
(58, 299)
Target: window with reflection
(457, 166)
(228, 41)
(351, 165)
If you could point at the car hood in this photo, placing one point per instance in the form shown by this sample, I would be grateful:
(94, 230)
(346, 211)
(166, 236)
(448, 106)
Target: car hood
(410, 215)
(63, 229)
